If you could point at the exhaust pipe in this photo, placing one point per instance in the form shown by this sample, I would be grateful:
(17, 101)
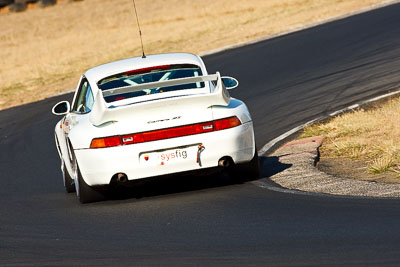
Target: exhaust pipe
(121, 178)
(224, 162)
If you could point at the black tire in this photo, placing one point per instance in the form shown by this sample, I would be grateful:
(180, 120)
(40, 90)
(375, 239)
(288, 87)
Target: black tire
(253, 167)
(85, 192)
(246, 171)
(68, 181)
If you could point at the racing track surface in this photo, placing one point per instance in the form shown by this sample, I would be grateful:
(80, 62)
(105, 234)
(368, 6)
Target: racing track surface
(208, 220)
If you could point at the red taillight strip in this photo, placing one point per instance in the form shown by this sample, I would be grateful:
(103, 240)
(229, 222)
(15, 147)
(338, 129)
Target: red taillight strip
(180, 131)
(167, 133)
(226, 123)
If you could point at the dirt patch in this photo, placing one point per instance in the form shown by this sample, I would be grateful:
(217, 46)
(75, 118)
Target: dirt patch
(354, 169)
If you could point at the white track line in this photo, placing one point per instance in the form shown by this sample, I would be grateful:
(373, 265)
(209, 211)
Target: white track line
(270, 144)
(273, 142)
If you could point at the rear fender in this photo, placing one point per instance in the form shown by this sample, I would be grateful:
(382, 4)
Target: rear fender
(235, 108)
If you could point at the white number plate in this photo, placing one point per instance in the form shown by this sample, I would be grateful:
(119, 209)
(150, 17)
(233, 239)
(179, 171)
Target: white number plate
(169, 156)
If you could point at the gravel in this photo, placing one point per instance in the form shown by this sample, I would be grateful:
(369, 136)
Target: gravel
(293, 166)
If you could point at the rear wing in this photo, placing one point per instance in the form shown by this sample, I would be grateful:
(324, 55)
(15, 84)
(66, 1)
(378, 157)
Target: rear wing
(153, 85)
(101, 114)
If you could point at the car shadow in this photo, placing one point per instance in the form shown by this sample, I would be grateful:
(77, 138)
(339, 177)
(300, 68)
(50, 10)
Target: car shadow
(151, 187)
(166, 185)
(270, 166)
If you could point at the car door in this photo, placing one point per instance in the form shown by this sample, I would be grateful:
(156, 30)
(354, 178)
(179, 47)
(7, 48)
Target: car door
(82, 104)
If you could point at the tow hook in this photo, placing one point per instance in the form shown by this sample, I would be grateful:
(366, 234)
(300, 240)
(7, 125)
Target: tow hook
(200, 149)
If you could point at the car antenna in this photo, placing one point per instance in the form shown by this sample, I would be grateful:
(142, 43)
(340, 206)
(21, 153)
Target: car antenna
(140, 32)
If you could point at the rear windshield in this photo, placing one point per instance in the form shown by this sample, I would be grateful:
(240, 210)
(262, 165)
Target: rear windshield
(147, 75)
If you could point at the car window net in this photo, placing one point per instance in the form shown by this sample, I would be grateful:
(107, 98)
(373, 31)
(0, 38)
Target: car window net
(148, 75)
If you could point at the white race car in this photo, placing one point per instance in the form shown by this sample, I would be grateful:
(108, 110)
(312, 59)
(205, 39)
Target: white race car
(151, 116)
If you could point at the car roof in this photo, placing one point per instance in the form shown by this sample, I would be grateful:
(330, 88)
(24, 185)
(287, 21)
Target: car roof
(97, 73)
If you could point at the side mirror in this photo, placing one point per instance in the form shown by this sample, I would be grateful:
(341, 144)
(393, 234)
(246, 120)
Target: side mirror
(61, 108)
(230, 82)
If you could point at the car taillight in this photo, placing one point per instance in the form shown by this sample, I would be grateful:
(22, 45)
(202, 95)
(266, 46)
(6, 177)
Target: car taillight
(226, 123)
(106, 142)
(166, 133)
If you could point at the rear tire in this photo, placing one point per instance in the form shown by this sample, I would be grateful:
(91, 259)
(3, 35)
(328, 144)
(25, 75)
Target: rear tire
(246, 171)
(85, 192)
(68, 181)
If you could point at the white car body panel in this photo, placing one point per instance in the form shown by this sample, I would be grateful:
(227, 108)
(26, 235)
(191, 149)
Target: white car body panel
(126, 159)
(75, 131)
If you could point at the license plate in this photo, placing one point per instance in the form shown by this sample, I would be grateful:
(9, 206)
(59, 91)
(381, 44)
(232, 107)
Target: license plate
(166, 157)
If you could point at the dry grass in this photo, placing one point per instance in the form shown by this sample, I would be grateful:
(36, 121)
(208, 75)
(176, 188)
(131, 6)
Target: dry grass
(372, 135)
(43, 51)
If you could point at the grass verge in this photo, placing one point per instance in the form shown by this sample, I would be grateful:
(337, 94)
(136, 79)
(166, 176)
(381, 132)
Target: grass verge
(369, 135)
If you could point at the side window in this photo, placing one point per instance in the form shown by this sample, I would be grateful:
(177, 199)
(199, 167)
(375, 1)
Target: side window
(84, 98)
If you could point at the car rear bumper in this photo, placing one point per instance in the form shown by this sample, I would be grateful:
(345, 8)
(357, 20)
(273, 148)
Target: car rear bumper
(163, 157)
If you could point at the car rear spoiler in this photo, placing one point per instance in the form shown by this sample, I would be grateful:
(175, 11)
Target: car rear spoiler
(153, 85)
(101, 114)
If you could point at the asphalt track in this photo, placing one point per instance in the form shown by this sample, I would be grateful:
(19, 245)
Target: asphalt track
(209, 220)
